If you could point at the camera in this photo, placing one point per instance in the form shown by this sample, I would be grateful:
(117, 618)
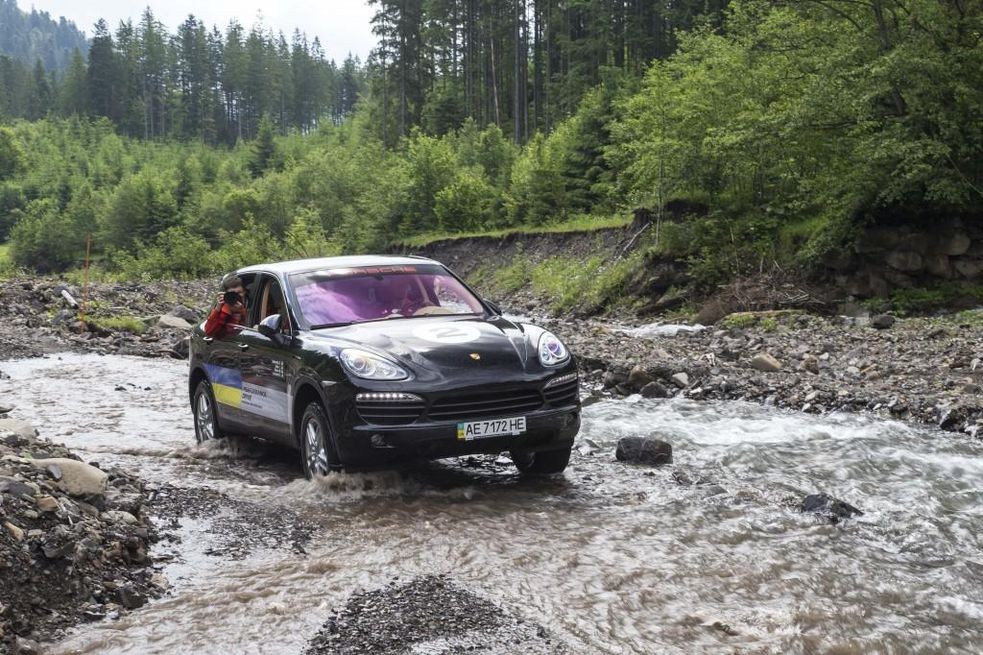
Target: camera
(232, 298)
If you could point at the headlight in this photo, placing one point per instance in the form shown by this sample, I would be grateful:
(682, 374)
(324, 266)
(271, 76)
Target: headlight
(365, 365)
(552, 352)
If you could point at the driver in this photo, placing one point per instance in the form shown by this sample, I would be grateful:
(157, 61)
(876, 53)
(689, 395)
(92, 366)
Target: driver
(229, 311)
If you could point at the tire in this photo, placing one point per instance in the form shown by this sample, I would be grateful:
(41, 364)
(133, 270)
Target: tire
(547, 462)
(318, 453)
(206, 420)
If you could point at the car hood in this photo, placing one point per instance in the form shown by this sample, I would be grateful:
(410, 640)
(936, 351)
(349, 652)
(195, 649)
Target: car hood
(443, 343)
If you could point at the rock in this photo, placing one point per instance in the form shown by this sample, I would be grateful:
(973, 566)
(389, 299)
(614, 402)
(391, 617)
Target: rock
(712, 311)
(954, 244)
(638, 377)
(22, 429)
(969, 268)
(829, 508)
(125, 518)
(130, 598)
(5, 409)
(189, 315)
(882, 321)
(48, 504)
(644, 450)
(612, 379)
(173, 323)
(14, 487)
(181, 348)
(15, 532)
(78, 478)
(53, 471)
(765, 363)
(654, 390)
(681, 380)
(939, 266)
(811, 364)
(25, 647)
(905, 260)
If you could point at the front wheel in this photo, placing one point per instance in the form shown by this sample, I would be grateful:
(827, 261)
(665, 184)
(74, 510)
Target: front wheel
(206, 419)
(547, 462)
(316, 445)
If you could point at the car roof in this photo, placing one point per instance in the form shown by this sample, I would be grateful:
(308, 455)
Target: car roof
(305, 265)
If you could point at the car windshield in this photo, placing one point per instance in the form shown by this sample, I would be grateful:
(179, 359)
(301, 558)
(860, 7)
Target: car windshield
(343, 296)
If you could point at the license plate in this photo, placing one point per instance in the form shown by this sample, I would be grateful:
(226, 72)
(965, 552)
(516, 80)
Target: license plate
(492, 428)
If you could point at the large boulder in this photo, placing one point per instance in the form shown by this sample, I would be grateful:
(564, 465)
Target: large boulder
(832, 509)
(970, 268)
(77, 478)
(954, 244)
(22, 429)
(173, 322)
(190, 315)
(643, 450)
(905, 260)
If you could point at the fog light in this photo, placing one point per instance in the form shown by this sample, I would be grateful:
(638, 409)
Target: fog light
(387, 397)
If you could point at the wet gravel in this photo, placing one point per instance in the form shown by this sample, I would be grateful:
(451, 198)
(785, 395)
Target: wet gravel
(430, 615)
(239, 527)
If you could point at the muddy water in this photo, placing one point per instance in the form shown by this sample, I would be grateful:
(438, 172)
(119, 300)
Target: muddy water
(611, 559)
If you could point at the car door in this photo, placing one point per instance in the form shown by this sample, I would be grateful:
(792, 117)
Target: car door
(264, 364)
(220, 356)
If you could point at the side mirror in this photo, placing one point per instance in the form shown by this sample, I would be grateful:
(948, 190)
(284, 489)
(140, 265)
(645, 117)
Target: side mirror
(271, 326)
(494, 307)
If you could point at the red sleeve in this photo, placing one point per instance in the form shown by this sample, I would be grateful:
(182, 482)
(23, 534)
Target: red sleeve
(215, 324)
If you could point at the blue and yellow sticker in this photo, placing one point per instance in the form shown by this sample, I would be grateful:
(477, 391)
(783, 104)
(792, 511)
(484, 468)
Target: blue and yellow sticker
(226, 384)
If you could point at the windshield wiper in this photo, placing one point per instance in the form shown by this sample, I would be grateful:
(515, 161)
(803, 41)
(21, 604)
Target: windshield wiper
(332, 325)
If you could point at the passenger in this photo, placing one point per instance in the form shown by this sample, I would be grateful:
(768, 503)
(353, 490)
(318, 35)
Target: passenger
(230, 310)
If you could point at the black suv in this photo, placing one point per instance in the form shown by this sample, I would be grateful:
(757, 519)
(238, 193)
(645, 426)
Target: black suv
(366, 362)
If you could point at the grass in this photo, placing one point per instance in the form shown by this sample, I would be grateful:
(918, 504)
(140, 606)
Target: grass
(127, 323)
(6, 265)
(767, 320)
(928, 299)
(580, 224)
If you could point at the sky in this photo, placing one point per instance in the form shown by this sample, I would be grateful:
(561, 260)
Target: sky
(342, 25)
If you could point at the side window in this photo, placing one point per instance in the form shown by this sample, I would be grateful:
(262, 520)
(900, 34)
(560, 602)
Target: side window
(271, 302)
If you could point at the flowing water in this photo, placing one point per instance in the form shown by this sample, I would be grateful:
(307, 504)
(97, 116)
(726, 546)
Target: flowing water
(707, 555)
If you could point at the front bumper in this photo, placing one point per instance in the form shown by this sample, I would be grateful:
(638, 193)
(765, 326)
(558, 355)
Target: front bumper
(369, 446)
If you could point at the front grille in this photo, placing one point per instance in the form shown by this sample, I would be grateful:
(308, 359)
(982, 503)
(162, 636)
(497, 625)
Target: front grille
(390, 413)
(493, 404)
(562, 395)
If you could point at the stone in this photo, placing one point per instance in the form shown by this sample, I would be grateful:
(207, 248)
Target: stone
(969, 268)
(14, 487)
(22, 429)
(189, 315)
(939, 266)
(5, 409)
(654, 390)
(118, 516)
(765, 363)
(712, 311)
(181, 348)
(954, 244)
(811, 364)
(15, 532)
(882, 321)
(905, 260)
(78, 478)
(681, 379)
(830, 508)
(130, 598)
(48, 504)
(612, 379)
(638, 377)
(644, 450)
(24, 646)
(173, 323)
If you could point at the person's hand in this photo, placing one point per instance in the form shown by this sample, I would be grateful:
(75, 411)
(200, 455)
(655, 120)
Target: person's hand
(220, 299)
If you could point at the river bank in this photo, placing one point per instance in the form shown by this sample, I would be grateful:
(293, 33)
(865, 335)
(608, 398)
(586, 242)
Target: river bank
(927, 370)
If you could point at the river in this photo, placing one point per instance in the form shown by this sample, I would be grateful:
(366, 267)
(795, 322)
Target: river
(707, 555)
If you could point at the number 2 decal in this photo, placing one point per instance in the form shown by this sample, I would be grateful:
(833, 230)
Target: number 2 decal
(447, 334)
